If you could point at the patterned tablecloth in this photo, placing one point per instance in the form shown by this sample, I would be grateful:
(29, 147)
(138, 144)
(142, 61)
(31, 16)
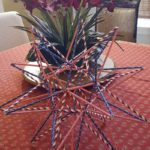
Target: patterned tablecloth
(16, 130)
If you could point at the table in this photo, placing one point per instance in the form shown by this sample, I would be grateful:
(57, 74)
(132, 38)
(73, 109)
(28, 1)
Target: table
(16, 130)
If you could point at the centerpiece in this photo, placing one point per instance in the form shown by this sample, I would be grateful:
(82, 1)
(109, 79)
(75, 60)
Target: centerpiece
(64, 45)
(59, 21)
(58, 24)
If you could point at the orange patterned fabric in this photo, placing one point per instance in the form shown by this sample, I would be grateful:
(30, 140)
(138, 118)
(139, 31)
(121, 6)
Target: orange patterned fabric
(16, 130)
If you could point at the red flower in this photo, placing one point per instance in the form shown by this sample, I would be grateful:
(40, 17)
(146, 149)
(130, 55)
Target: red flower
(31, 4)
(73, 3)
(39, 4)
(94, 2)
(111, 7)
(76, 3)
(48, 5)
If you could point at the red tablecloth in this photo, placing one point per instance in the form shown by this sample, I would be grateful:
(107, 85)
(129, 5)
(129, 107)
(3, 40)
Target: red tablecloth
(16, 130)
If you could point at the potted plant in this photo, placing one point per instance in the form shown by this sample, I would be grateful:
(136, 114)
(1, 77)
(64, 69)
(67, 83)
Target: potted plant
(57, 24)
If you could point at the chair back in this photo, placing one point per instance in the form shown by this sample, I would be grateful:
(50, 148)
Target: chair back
(124, 16)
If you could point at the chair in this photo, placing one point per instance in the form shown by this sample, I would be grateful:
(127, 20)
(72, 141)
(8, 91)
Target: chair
(9, 36)
(124, 17)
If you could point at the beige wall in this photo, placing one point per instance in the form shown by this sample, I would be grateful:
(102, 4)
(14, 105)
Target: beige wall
(1, 6)
(144, 9)
(10, 5)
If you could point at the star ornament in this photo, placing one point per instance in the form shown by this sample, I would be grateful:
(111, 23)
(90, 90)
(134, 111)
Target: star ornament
(73, 91)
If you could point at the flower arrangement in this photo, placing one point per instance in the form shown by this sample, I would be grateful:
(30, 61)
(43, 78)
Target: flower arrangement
(59, 20)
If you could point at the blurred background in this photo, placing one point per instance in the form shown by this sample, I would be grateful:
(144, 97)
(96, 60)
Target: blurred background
(133, 27)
